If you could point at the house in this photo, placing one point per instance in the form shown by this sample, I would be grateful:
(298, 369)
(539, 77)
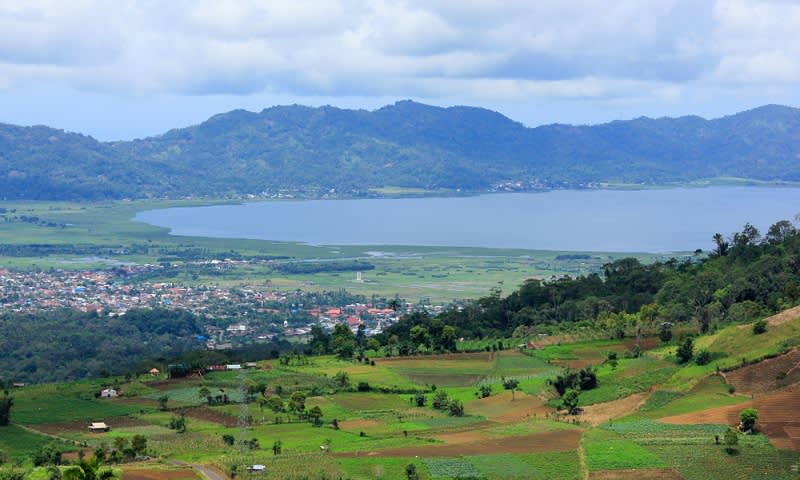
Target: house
(155, 372)
(251, 365)
(108, 393)
(257, 468)
(233, 366)
(18, 385)
(96, 427)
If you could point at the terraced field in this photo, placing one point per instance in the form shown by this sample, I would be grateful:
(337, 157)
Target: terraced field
(648, 417)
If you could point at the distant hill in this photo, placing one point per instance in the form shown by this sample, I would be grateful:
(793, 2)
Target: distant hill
(314, 150)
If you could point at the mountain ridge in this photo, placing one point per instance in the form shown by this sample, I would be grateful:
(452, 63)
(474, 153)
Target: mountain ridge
(316, 150)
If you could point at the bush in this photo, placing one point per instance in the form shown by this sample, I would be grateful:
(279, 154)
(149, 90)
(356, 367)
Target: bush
(685, 351)
(363, 387)
(703, 358)
(731, 440)
(759, 327)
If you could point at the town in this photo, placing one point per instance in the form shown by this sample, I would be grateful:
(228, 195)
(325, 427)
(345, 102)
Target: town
(232, 314)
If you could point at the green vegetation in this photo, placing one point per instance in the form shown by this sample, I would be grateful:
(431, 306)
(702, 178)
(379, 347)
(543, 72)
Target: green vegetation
(606, 450)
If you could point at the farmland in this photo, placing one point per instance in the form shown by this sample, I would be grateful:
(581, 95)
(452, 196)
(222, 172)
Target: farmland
(381, 419)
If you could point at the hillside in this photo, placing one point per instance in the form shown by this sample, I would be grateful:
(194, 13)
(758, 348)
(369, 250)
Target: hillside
(314, 150)
(450, 416)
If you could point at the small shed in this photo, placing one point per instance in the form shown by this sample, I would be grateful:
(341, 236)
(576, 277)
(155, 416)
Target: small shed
(257, 468)
(108, 393)
(96, 427)
(155, 372)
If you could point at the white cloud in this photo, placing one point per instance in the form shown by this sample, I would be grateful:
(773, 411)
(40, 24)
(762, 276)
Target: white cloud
(480, 49)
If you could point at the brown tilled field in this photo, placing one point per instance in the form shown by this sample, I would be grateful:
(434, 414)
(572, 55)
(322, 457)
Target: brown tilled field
(139, 474)
(603, 412)
(778, 417)
(557, 441)
(638, 474)
(767, 376)
(209, 415)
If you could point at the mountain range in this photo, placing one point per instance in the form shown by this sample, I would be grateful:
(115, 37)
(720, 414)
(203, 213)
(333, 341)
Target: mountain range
(314, 151)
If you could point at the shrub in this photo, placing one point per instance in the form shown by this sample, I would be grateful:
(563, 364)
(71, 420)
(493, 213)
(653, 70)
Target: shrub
(703, 358)
(759, 327)
(731, 440)
(685, 351)
(363, 387)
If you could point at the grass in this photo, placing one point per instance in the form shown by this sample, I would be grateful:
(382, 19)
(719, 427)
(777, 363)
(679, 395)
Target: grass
(710, 392)
(17, 443)
(37, 410)
(606, 450)
(629, 377)
(543, 466)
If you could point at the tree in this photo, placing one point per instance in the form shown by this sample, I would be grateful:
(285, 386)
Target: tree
(341, 379)
(178, 423)
(780, 232)
(511, 384)
(392, 343)
(139, 444)
(731, 440)
(722, 245)
(320, 342)
(275, 403)
(419, 335)
(5, 409)
(120, 443)
(297, 402)
(228, 439)
(456, 408)
(162, 402)
(448, 338)
(277, 447)
(685, 351)
(373, 344)
(665, 332)
(748, 418)
(344, 342)
(420, 400)
(440, 400)
(50, 454)
(315, 414)
(570, 400)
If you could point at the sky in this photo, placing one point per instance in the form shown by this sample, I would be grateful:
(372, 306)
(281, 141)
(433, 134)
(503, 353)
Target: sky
(128, 69)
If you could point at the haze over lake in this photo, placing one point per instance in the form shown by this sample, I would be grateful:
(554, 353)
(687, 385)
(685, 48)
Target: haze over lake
(662, 220)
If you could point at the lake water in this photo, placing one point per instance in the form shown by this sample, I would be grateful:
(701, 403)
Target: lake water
(663, 220)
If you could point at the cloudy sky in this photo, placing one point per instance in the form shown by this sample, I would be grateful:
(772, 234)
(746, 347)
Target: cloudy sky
(123, 69)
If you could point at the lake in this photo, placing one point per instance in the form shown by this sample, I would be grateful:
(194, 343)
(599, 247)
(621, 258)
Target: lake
(658, 220)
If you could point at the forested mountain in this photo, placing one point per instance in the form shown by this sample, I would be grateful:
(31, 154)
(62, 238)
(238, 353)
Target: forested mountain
(407, 144)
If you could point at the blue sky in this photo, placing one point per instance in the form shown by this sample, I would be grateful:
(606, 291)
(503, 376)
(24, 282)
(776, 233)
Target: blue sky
(127, 69)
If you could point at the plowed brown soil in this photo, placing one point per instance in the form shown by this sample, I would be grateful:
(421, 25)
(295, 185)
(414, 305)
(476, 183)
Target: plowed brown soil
(557, 441)
(603, 412)
(139, 474)
(768, 375)
(778, 417)
(205, 413)
(638, 474)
